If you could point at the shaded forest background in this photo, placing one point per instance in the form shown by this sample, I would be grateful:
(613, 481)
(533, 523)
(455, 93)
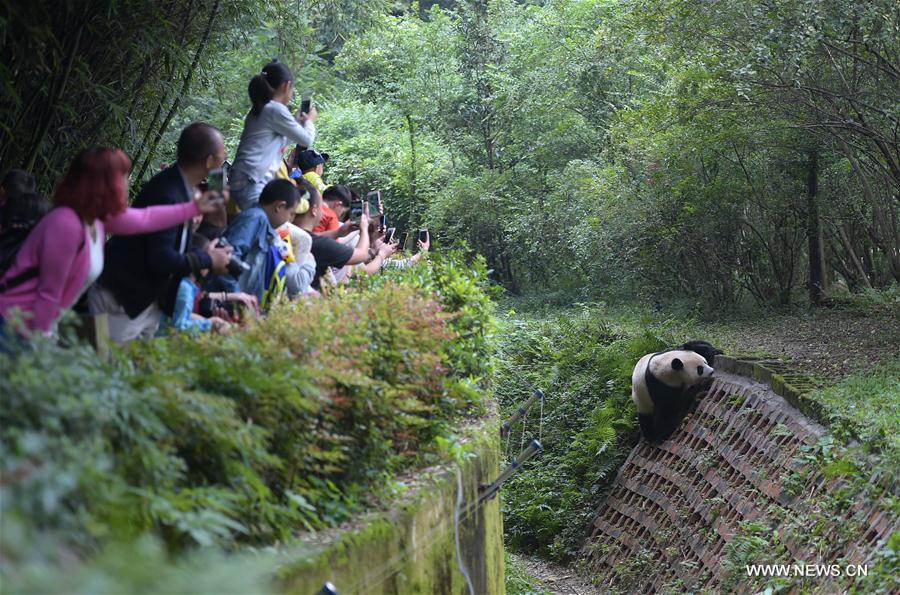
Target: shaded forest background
(723, 151)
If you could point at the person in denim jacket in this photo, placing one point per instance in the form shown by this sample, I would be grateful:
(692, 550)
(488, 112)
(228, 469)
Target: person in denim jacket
(252, 233)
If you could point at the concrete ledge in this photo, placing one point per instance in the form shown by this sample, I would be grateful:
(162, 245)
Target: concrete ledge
(412, 548)
(789, 384)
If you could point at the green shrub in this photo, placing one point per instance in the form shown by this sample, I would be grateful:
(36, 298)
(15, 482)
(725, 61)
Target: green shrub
(459, 281)
(292, 423)
(139, 566)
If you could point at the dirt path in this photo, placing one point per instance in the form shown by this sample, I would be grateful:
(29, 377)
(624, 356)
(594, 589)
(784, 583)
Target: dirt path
(829, 344)
(559, 580)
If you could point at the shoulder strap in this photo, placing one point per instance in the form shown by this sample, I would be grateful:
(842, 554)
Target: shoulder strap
(275, 271)
(31, 273)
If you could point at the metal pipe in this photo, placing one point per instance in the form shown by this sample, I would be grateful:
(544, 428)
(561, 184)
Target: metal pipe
(491, 490)
(517, 415)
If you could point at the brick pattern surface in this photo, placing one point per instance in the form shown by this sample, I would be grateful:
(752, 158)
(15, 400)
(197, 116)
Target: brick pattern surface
(674, 507)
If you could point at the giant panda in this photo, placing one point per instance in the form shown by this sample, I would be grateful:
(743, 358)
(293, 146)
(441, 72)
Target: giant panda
(665, 384)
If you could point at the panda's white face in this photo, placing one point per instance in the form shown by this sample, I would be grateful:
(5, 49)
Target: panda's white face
(681, 368)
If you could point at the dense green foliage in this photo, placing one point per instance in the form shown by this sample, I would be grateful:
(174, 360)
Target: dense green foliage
(294, 423)
(720, 152)
(77, 74)
(641, 149)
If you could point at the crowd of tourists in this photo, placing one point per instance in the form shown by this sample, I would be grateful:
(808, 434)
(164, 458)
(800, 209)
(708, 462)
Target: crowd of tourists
(206, 244)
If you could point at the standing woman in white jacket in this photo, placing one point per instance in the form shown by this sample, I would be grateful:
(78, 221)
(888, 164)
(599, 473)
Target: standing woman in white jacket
(268, 128)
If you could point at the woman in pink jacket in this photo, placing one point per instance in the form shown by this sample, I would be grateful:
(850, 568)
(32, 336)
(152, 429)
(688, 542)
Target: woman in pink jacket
(63, 254)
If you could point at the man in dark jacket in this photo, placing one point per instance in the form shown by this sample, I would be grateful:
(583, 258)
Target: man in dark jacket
(139, 270)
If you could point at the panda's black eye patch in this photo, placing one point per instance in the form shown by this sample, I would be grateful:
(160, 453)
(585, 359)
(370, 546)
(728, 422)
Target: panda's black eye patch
(699, 370)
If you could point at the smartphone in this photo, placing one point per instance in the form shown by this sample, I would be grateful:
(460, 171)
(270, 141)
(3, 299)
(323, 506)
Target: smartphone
(356, 210)
(216, 180)
(383, 222)
(306, 105)
(373, 200)
(389, 235)
(423, 235)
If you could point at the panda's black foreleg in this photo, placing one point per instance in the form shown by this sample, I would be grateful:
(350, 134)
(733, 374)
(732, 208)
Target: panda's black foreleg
(648, 428)
(665, 420)
(689, 402)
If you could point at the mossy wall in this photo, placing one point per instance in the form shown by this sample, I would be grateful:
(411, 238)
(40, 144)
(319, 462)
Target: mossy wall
(412, 548)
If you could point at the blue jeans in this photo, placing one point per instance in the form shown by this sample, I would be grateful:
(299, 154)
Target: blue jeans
(245, 191)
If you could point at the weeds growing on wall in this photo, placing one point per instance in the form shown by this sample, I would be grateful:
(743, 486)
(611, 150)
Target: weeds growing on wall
(824, 523)
(583, 362)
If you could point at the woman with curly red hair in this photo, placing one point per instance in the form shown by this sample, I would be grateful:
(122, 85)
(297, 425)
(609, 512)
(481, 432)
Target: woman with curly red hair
(63, 254)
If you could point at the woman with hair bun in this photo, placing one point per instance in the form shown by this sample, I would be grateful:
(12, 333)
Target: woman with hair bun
(268, 128)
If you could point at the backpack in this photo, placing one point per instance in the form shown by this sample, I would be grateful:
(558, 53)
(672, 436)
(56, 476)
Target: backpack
(274, 279)
(10, 242)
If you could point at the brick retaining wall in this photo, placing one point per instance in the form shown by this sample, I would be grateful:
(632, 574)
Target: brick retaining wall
(674, 507)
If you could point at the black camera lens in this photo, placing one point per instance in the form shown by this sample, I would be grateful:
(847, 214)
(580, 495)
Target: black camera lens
(236, 266)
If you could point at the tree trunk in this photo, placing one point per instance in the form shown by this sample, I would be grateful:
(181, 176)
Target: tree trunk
(851, 255)
(413, 190)
(817, 280)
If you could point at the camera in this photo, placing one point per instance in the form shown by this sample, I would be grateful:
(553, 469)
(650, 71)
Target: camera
(236, 266)
(208, 307)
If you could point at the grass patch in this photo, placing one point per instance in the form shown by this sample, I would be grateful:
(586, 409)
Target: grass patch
(519, 582)
(871, 399)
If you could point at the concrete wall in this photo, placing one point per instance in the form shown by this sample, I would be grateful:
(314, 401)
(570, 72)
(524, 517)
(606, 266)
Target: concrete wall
(412, 548)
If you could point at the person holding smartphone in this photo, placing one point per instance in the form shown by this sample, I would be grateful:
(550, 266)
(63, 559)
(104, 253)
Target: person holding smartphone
(142, 272)
(268, 128)
(330, 253)
(63, 255)
(380, 252)
(424, 244)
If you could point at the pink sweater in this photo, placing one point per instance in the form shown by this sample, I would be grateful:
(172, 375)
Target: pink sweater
(53, 247)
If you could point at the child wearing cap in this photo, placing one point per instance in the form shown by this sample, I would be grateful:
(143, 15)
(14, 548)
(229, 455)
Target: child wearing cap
(312, 164)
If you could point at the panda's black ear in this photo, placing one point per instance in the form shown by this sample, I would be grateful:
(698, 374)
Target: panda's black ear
(677, 364)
